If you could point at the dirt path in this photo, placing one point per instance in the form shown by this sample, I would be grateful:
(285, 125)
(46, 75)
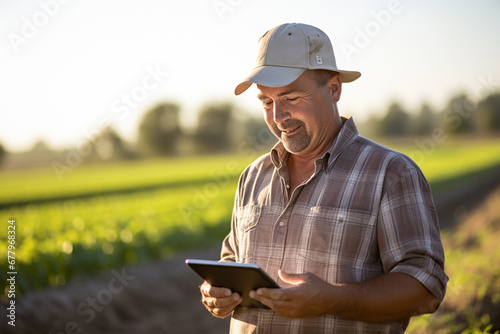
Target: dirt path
(160, 297)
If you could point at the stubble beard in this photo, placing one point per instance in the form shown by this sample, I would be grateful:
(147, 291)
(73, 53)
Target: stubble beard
(298, 140)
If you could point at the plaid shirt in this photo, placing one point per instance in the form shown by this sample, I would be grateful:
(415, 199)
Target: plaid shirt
(366, 211)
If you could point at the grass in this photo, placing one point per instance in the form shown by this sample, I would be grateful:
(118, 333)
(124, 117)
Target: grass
(41, 184)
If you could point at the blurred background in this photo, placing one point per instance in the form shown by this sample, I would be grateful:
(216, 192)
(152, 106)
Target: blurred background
(121, 143)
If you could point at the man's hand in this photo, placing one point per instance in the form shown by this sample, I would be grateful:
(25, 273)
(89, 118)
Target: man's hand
(308, 297)
(390, 297)
(219, 301)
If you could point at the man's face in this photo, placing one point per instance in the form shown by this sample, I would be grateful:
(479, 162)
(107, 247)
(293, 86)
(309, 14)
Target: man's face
(302, 115)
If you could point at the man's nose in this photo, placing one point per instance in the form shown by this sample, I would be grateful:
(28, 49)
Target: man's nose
(280, 112)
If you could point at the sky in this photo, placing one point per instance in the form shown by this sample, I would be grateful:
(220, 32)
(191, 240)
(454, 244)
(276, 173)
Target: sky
(69, 68)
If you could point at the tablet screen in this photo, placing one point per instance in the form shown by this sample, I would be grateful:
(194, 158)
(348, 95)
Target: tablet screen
(239, 277)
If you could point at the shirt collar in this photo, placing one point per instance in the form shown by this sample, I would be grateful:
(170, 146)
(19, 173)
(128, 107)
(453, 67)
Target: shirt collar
(348, 133)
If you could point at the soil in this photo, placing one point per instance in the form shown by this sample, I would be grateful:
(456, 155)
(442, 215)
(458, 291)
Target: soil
(163, 297)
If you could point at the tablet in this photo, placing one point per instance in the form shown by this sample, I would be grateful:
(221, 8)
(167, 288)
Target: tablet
(239, 277)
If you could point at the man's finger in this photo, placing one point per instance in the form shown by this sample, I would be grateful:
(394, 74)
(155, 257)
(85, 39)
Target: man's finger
(294, 279)
(274, 294)
(222, 301)
(225, 306)
(262, 298)
(208, 290)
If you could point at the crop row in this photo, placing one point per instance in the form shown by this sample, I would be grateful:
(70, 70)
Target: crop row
(61, 240)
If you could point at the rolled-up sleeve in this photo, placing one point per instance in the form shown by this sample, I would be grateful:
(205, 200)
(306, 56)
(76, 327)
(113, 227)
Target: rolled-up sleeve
(408, 231)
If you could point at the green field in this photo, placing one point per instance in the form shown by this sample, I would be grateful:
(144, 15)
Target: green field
(105, 216)
(60, 239)
(45, 184)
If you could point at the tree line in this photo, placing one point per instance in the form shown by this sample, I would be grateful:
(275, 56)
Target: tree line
(222, 127)
(461, 116)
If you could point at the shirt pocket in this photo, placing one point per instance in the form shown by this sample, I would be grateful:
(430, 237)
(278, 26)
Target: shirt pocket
(331, 241)
(248, 219)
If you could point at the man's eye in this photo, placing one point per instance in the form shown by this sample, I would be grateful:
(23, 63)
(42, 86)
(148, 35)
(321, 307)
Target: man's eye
(268, 103)
(292, 98)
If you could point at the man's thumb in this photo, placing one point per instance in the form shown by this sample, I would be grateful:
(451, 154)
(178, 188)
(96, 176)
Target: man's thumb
(294, 279)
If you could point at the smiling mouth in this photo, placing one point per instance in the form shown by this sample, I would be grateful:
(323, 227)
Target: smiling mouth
(291, 131)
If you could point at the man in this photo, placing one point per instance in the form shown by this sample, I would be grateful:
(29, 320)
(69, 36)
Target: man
(347, 227)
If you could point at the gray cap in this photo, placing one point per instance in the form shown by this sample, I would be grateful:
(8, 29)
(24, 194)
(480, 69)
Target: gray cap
(287, 51)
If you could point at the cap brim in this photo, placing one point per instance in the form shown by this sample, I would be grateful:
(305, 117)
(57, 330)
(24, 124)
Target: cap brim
(270, 76)
(276, 76)
(348, 76)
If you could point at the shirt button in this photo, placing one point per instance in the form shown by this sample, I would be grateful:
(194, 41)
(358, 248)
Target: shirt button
(282, 224)
(288, 186)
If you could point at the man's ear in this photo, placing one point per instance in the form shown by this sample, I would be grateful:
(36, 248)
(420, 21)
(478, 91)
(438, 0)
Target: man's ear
(335, 86)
